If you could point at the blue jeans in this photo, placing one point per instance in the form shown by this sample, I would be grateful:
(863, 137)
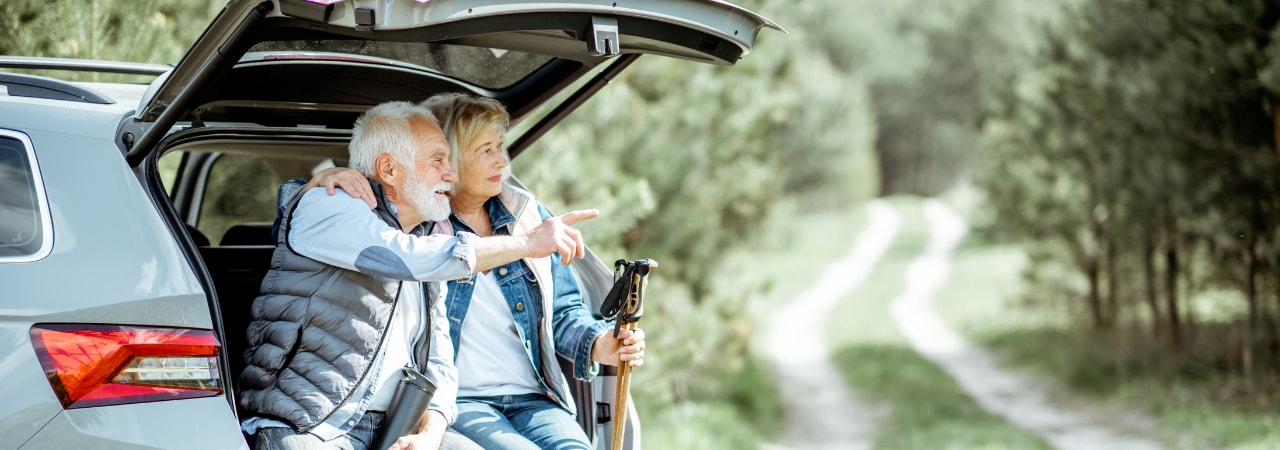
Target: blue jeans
(284, 438)
(359, 438)
(530, 421)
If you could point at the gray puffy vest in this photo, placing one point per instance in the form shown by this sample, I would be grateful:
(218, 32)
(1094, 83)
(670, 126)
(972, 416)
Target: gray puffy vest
(316, 330)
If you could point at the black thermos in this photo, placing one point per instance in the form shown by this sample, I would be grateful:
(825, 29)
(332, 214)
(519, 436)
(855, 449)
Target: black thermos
(410, 402)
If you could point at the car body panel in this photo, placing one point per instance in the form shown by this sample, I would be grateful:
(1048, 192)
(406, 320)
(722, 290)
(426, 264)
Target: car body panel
(95, 242)
(29, 402)
(135, 426)
(112, 261)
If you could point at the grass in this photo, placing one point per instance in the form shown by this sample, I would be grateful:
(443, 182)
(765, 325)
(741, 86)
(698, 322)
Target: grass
(1195, 406)
(743, 417)
(928, 409)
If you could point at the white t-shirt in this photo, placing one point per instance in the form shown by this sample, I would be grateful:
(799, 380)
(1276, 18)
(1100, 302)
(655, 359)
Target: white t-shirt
(491, 356)
(407, 322)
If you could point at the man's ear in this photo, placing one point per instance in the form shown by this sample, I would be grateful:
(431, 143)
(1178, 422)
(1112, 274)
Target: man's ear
(386, 168)
(388, 172)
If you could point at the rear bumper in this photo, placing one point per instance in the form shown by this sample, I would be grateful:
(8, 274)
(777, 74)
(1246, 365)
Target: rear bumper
(203, 423)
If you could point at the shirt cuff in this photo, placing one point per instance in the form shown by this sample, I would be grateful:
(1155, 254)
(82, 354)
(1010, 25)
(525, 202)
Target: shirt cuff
(450, 413)
(445, 401)
(466, 249)
(585, 368)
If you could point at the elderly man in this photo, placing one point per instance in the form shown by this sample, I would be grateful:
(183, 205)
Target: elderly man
(344, 306)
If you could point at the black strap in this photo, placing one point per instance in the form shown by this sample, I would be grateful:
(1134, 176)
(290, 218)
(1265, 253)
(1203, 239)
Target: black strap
(423, 356)
(616, 305)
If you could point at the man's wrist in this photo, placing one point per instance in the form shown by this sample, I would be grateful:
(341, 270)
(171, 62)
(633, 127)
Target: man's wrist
(430, 419)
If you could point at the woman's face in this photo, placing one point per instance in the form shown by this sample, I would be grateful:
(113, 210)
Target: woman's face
(481, 166)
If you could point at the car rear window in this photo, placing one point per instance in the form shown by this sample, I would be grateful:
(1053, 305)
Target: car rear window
(24, 217)
(484, 67)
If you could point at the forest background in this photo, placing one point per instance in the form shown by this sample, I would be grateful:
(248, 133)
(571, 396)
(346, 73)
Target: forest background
(1128, 148)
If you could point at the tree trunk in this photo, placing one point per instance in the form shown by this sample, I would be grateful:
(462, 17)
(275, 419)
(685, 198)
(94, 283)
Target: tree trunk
(1095, 294)
(1149, 278)
(1171, 293)
(1251, 294)
(1094, 265)
(1276, 131)
(1088, 262)
(1113, 284)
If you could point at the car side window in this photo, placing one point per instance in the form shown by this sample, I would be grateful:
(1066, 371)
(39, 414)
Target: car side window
(240, 189)
(25, 229)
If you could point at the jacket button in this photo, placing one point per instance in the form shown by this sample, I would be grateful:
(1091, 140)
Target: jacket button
(502, 272)
(519, 307)
(526, 343)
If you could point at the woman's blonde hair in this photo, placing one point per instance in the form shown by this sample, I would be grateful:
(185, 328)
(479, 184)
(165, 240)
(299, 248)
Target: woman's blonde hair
(465, 118)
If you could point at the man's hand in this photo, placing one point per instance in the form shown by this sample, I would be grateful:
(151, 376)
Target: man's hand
(552, 235)
(556, 235)
(415, 442)
(430, 433)
(350, 180)
(627, 347)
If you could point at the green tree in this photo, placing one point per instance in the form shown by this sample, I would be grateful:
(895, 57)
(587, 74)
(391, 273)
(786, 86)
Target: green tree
(1139, 149)
(153, 31)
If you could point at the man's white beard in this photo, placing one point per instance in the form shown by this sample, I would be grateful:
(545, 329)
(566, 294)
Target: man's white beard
(424, 198)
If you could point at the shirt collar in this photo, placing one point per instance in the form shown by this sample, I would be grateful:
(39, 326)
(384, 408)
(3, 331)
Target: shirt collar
(499, 216)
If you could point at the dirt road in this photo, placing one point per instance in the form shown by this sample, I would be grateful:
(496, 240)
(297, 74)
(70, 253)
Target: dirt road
(1020, 399)
(821, 411)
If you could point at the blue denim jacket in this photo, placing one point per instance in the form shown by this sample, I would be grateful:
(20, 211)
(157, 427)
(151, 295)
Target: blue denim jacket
(575, 329)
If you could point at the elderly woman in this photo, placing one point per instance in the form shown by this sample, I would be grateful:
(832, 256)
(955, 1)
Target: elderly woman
(508, 325)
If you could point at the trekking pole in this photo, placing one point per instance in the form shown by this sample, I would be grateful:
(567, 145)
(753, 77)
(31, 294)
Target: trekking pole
(625, 305)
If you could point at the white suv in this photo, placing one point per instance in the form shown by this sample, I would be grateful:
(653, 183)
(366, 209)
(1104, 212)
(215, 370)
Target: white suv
(124, 293)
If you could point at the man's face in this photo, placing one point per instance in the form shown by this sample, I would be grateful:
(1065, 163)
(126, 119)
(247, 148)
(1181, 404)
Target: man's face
(430, 174)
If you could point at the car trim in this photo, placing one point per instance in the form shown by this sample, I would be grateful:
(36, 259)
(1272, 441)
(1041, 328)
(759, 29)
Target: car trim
(82, 65)
(32, 86)
(42, 201)
(198, 113)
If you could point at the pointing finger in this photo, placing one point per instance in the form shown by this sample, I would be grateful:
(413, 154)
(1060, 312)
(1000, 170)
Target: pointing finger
(571, 218)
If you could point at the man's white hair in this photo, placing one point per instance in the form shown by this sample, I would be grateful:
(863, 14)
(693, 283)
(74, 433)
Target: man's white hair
(385, 129)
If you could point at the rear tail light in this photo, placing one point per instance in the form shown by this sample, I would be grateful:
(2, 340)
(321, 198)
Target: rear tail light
(99, 365)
